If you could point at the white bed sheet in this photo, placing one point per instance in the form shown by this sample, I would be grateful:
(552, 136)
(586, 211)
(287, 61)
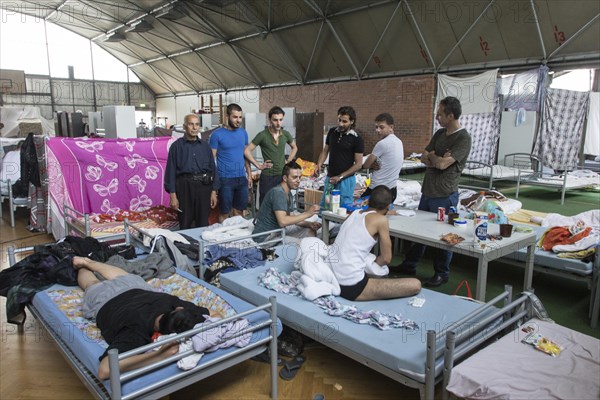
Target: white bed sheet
(509, 369)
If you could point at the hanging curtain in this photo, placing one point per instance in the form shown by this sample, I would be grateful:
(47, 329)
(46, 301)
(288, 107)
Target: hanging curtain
(592, 133)
(484, 129)
(477, 94)
(559, 139)
(524, 90)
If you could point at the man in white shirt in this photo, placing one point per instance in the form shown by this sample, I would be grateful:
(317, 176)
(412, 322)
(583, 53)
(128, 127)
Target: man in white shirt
(352, 261)
(387, 156)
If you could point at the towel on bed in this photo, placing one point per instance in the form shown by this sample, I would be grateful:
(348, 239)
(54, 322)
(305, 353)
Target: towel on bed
(313, 264)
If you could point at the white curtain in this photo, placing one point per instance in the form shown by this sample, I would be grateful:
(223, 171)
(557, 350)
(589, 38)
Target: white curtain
(477, 94)
(592, 135)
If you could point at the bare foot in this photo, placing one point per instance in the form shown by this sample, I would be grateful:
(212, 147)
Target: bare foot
(79, 262)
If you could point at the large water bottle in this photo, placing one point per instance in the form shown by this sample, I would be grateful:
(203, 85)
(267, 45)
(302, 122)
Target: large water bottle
(480, 235)
(335, 201)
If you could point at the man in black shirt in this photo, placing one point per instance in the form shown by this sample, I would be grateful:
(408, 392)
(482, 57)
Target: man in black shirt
(345, 149)
(128, 312)
(191, 177)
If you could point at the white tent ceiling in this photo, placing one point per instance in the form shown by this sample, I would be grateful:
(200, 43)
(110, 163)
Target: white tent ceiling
(178, 46)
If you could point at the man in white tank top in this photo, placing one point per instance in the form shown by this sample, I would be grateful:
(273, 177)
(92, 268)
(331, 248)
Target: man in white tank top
(352, 259)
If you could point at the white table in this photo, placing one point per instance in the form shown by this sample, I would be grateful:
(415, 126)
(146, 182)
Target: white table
(425, 229)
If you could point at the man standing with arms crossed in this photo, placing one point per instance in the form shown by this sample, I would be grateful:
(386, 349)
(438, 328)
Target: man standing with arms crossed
(345, 149)
(228, 143)
(272, 143)
(191, 178)
(445, 157)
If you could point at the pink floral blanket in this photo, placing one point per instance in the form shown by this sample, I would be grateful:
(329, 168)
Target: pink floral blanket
(108, 175)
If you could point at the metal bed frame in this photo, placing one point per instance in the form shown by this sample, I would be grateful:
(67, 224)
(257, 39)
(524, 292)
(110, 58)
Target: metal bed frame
(13, 202)
(460, 343)
(550, 180)
(519, 161)
(176, 382)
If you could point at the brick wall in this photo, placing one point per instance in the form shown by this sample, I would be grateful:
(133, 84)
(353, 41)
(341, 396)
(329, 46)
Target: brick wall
(408, 99)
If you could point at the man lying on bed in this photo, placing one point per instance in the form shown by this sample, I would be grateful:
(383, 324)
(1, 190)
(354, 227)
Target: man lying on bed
(128, 311)
(358, 234)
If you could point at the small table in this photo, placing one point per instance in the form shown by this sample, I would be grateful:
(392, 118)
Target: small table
(425, 229)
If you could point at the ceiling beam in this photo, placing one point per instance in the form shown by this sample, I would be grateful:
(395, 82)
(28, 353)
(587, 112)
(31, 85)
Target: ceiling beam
(221, 41)
(147, 78)
(574, 36)
(255, 79)
(194, 69)
(337, 37)
(387, 26)
(291, 64)
(539, 30)
(459, 42)
(421, 37)
(189, 83)
(314, 49)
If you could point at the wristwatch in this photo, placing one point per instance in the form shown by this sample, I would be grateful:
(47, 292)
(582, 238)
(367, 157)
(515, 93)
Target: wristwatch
(341, 177)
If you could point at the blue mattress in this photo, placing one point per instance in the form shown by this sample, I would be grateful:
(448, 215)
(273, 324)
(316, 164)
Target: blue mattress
(399, 350)
(551, 260)
(88, 351)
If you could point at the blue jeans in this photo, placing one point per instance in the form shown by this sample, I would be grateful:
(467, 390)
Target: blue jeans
(442, 258)
(346, 188)
(233, 193)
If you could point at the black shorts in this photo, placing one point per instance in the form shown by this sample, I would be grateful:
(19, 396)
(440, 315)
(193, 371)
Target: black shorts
(352, 292)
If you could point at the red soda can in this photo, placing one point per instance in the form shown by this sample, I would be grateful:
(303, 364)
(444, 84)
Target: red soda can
(441, 213)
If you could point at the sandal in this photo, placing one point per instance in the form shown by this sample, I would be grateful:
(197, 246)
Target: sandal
(266, 358)
(291, 368)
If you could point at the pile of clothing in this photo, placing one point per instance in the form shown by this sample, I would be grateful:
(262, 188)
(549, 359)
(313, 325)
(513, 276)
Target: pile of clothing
(572, 237)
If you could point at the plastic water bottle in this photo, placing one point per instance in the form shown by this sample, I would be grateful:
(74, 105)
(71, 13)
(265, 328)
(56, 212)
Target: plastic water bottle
(478, 204)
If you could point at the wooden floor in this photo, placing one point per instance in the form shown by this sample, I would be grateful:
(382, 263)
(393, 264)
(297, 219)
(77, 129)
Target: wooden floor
(32, 368)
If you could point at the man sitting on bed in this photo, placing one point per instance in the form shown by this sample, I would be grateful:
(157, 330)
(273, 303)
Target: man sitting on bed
(352, 259)
(128, 311)
(276, 211)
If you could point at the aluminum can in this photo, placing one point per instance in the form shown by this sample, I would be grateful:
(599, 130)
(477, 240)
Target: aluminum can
(441, 213)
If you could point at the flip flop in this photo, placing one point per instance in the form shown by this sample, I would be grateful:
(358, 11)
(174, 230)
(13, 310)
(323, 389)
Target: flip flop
(291, 368)
(266, 358)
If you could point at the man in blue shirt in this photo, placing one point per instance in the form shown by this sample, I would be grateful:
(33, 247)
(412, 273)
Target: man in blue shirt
(228, 144)
(191, 177)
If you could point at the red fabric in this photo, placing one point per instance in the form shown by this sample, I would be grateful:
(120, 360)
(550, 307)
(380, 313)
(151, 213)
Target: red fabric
(561, 235)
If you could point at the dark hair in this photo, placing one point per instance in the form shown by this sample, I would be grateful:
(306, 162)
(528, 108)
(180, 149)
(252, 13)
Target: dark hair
(385, 117)
(451, 106)
(177, 321)
(233, 107)
(289, 166)
(349, 111)
(381, 197)
(276, 110)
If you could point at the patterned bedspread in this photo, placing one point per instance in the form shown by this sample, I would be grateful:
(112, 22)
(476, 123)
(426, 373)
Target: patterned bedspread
(70, 301)
(110, 228)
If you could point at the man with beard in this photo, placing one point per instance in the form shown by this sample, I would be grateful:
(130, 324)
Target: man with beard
(228, 144)
(277, 211)
(191, 178)
(345, 149)
(272, 142)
